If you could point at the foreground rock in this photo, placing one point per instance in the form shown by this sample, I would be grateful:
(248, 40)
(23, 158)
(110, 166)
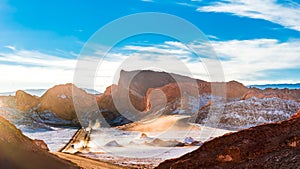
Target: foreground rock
(275, 145)
(19, 152)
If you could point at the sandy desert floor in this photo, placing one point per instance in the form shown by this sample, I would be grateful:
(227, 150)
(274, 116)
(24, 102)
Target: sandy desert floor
(87, 163)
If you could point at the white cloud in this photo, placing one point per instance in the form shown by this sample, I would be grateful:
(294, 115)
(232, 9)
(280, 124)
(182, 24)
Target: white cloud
(14, 77)
(10, 47)
(212, 37)
(36, 58)
(147, 0)
(186, 4)
(243, 60)
(286, 15)
(157, 49)
(248, 60)
(23, 69)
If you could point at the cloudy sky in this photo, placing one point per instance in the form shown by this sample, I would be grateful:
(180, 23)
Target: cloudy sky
(256, 41)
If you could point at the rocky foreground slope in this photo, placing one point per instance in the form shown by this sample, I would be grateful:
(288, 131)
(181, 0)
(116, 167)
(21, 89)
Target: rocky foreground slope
(19, 152)
(275, 145)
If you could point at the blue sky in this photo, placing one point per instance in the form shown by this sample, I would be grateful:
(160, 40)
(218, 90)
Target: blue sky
(258, 41)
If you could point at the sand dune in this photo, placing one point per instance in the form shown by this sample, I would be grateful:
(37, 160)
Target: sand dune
(163, 123)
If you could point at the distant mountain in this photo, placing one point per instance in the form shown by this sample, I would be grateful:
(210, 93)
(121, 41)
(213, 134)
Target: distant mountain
(35, 92)
(91, 91)
(279, 86)
(40, 92)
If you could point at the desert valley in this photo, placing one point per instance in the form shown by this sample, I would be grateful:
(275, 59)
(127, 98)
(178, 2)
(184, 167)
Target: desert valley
(162, 127)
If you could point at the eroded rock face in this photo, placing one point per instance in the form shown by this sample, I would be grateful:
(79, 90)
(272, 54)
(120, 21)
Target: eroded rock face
(25, 101)
(275, 145)
(243, 114)
(287, 94)
(235, 90)
(141, 81)
(18, 151)
(162, 93)
(59, 100)
(147, 89)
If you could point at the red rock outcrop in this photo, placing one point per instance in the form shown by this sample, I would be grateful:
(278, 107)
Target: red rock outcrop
(18, 151)
(59, 100)
(235, 90)
(141, 81)
(275, 145)
(25, 101)
(146, 89)
(119, 99)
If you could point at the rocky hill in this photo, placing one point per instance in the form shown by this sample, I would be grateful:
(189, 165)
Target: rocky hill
(59, 100)
(275, 145)
(55, 107)
(19, 152)
(25, 101)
